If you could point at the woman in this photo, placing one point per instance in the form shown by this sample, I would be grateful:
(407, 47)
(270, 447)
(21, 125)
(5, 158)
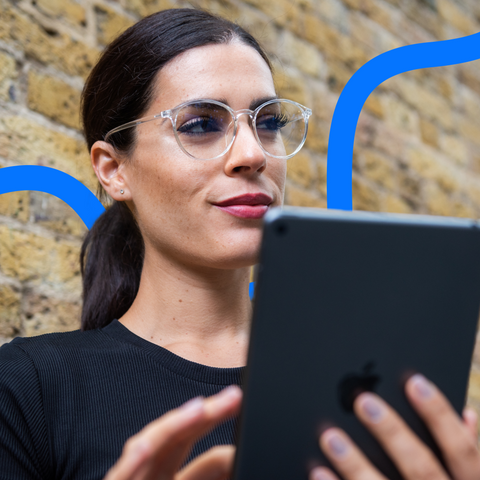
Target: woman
(181, 118)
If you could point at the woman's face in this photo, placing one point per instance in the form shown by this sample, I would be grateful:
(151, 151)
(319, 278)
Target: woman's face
(175, 197)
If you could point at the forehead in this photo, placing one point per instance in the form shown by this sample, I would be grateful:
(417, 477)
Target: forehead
(234, 72)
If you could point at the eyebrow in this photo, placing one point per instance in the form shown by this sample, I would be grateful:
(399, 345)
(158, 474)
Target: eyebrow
(256, 102)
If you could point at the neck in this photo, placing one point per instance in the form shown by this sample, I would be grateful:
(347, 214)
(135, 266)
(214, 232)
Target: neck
(202, 315)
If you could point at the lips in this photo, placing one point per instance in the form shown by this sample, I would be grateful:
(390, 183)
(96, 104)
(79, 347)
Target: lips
(250, 205)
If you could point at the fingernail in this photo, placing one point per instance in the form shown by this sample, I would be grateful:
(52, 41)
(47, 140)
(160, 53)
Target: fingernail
(320, 474)
(141, 448)
(337, 445)
(230, 393)
(372, 408)
(193, 406)
(422, 387)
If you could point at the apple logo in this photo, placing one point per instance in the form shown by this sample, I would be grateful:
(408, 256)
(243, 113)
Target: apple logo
(353, 384)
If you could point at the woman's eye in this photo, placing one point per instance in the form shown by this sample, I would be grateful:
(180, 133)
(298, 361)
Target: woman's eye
(199, 126)
(272, 122)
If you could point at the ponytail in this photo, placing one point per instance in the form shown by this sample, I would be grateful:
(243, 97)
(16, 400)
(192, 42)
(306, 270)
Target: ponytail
(111, 261)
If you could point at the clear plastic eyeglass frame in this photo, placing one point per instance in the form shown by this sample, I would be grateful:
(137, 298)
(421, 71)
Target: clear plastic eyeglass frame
(173, 113)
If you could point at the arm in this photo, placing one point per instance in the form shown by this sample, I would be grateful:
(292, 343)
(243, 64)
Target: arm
(24, 452)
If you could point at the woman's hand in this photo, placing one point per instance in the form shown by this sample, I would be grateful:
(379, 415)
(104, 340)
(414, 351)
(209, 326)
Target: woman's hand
(158, 451)
(456, 438)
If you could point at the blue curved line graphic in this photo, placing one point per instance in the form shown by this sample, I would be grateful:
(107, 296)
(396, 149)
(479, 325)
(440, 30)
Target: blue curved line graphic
(359, 88)
(49, 180)
(55, 182)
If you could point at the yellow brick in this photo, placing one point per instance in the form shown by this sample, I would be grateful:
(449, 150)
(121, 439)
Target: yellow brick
(368, 33)
(301, 198)
(147, 7)
(317, 136)
(469, 130)
(462, 209)
(24, 141)
(374, 106)
(455, 148)
(301, 54)
(110, 24)
(409, 185)
(473, 191)
(400, 116)
(54, 98)
(474, 386)
(53, 48)
(364, 197)
(323, 103)
(299, 169)
(377, 11)
(394, 204)
(322, 178)
(10, 320)
(333, 12)
(437, 201)
(337, 77)
(223, 8)
(265, 32)
(29, 257)
(47, 315)
(289, 84)
(282, 12)
(445, 87)
(337, 46)
(378, 168)
(388, 140)
(460, 19)
(8, 73)
(429, 132)
(15, 205)
(381, 14)
(427, 165)
(426, 102)
(52, 213)
(66, 10)
(469, 75)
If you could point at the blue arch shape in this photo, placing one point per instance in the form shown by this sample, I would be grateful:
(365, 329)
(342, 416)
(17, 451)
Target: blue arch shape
(359, 88)
(49, 180)
(55, 182)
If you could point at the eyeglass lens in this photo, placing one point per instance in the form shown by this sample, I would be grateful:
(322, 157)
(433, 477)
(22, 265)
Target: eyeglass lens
(205, 130)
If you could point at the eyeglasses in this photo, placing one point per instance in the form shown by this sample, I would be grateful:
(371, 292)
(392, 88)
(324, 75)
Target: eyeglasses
(206, 129)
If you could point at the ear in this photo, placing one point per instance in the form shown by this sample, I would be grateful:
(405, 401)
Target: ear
(110, 171)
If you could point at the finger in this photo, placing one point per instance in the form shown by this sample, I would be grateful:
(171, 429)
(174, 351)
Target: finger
(322, 473)
(453, 437)
(412, 457)
(470, 419)
(216, 464)
(141, 447)
(164, 443)
(173, 447)
(346, 457)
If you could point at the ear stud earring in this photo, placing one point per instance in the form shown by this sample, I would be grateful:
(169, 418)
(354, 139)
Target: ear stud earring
(121, 191)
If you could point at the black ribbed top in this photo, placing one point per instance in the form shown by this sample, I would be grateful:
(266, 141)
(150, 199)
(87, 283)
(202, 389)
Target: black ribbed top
(69, 401)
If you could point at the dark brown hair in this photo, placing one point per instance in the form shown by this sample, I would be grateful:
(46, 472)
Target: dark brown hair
(119, 90)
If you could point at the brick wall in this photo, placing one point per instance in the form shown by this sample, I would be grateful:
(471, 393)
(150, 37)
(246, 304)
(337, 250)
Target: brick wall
(417, 145)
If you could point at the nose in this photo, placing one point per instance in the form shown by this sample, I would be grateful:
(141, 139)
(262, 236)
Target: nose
(245, 155)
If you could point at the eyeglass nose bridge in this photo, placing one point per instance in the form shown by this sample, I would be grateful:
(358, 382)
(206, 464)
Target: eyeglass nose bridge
(245, 111)
(236, 115)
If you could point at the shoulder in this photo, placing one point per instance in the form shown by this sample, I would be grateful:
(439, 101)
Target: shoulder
(47, 351)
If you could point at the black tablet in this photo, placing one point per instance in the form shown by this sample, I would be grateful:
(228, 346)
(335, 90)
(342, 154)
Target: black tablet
(351, 301)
